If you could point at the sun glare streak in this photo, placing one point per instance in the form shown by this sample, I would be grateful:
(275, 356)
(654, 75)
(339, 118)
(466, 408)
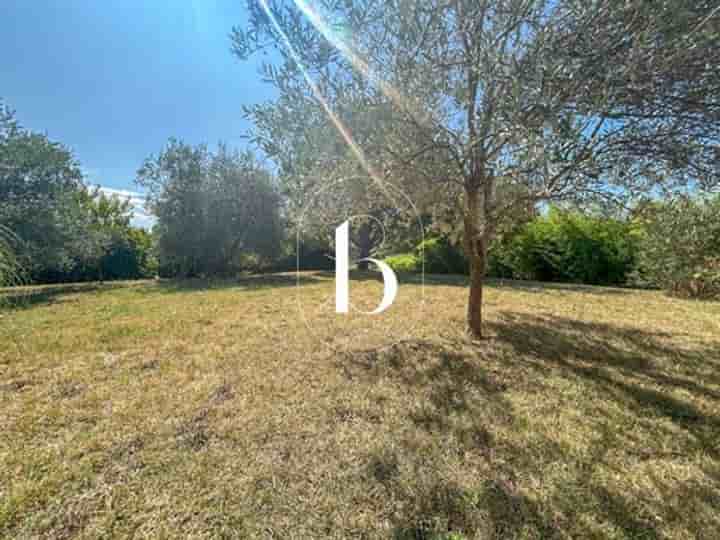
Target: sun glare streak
(344, 132)
(361, 65)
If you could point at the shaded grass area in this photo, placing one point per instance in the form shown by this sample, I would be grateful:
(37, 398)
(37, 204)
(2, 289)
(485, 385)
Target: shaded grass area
(211, 410)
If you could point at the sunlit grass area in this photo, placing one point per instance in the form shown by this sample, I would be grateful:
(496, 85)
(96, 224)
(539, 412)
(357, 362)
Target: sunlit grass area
(218, 410)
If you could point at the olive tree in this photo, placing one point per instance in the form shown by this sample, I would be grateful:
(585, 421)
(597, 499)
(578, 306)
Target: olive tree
(680, 247)
(40, 182)
(323, 183)
(552, 99)
(212, 209)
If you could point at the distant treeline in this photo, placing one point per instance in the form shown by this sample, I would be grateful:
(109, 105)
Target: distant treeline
(220, 213)
(55, 228)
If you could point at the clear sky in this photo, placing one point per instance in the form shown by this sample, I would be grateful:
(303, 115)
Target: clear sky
(113, 79)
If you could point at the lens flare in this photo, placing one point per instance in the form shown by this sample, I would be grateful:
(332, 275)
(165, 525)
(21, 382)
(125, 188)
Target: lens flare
(344, 131)
(388, 90)
(358, 63)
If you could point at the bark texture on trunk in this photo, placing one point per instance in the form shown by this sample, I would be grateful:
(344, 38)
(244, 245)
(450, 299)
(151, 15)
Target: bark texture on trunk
(364, 244)
(475, 252)
(475, 296)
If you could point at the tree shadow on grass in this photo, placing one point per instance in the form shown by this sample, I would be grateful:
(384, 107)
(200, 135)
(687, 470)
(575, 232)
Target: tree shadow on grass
(461, 400)
(640, 370)
(654, 381)
(649, 400)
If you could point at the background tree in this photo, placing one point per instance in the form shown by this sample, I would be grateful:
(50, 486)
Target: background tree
(10, 267)
(510, 92)
(53, 226)
(320, 178)
(106, 245)
(175, 180)
(680, 247)
(213, 210)
(570, 247)
(40, 182)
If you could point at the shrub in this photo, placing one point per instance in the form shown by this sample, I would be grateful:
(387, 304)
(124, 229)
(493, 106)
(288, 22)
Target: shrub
(441, 256)
(559, 246)
(130, 256)
(680, 248)
(404, 263)
(567, 247)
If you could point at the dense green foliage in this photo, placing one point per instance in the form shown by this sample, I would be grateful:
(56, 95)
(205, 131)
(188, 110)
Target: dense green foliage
(441, 256)
(675, 246)
(308, 254)
(680, 247)
(559, 246)
(110, 248)
(437, 253)
(217, 212)
(404, 263)
(39, 185)
(10, 268)
(567, 247)
(54, 228)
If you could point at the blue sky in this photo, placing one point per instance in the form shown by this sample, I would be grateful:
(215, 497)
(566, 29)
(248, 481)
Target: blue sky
(114, 79)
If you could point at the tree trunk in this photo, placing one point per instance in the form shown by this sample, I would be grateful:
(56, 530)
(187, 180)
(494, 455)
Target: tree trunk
(364, 244)
(101, 274)
(475, 253)
(475, 296)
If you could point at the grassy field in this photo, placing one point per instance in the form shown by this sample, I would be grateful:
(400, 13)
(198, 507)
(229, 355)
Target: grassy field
(197, 410)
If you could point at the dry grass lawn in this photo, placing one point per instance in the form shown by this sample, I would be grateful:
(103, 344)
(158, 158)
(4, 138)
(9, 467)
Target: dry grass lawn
(212, 410)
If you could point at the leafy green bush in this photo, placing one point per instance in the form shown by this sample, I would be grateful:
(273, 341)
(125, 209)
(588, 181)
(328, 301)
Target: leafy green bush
(680, 248)
(441, 256)
(567, 247)
(129, 256)
(404, 263)
(559, 246)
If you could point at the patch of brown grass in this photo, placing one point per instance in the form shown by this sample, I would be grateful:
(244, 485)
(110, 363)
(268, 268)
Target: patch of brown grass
(212, 410)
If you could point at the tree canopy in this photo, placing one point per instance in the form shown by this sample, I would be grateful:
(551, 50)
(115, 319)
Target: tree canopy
(213, 209)
(552, 100)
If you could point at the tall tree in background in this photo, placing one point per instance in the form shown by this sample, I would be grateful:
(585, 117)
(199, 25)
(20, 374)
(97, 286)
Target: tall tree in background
(553, 100)
(213, 209)
(39, 185)
(52, 226)
(680, 246)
